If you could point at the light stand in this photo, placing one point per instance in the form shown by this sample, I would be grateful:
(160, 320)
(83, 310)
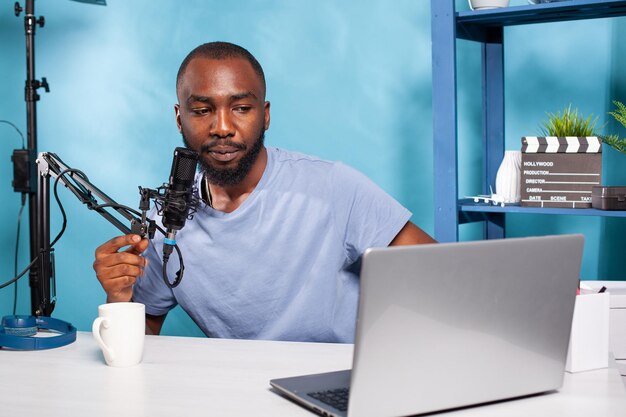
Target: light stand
(41, 305)
(40, 274)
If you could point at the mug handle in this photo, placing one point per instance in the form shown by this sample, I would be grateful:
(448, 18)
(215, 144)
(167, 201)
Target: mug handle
(98, 323)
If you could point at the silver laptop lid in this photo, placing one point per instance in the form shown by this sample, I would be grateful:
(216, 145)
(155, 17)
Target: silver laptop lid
(448, 325)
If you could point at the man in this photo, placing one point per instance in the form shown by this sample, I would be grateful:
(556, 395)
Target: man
(273, 249)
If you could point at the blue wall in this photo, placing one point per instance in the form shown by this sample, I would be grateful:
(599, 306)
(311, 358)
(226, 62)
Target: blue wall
(348, 81)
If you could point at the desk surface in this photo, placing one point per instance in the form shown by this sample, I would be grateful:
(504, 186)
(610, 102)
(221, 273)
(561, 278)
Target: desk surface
(212, 377)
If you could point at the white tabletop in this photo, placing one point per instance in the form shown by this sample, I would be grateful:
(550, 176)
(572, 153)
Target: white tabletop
(212, 377)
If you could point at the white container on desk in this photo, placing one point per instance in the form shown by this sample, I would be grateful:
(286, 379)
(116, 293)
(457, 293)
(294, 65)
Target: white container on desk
(589, 340)
(617, 319)
(617, 323)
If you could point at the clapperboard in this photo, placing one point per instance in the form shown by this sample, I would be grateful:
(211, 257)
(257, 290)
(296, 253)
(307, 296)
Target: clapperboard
(560, 171)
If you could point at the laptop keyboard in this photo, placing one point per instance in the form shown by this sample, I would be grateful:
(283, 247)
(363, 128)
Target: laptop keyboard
(337, 398)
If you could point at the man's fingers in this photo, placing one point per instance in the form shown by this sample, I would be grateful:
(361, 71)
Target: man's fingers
(119, 258)
(116, 244)
(138, 247)
(121, 270)
(119, 284)
(118, 270)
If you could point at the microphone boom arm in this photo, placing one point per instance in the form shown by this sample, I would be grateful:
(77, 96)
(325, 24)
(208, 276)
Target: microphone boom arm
(42, 278)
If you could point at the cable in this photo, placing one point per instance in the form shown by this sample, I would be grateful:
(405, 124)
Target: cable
(120, 206)
(17, 249)
(179, 273)
(56, 196)
(84, 200)
(19, 220)
(6, 284)
(18, 131)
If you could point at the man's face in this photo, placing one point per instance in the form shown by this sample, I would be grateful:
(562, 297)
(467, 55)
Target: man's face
(222, 115)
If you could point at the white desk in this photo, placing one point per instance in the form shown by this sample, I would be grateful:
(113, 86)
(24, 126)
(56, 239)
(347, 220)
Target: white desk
(211, 377)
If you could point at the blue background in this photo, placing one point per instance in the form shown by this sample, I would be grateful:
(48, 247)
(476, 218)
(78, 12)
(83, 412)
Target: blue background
(347, 80)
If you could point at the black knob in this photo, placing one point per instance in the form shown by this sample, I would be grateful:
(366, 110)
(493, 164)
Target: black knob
(44, 84)
(18, 9)
(41, 21)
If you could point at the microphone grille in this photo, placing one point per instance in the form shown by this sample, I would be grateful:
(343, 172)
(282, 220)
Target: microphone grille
(184, 164)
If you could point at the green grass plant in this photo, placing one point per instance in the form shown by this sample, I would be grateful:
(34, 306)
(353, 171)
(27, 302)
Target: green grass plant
(569, 123)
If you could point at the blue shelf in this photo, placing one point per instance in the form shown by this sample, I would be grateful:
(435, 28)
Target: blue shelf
(477, 25)
(466, 205)
(487, 28)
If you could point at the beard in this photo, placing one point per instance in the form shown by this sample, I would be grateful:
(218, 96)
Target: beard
(230, 176)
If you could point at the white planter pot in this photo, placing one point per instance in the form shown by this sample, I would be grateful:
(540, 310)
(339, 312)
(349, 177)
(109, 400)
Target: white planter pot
(487, 4)
(508, 177)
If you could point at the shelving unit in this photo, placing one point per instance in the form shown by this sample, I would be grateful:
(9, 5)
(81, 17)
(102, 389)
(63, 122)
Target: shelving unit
(487, 28)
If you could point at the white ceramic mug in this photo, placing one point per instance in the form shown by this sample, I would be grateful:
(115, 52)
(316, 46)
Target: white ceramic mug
(120, 331)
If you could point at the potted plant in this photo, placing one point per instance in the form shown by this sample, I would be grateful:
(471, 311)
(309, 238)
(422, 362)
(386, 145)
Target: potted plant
(614, 140)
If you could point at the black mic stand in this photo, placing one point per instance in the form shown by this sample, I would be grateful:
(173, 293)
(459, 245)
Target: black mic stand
(49, 165)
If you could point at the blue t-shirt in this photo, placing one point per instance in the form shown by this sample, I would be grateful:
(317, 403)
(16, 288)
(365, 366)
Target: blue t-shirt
(284, 264)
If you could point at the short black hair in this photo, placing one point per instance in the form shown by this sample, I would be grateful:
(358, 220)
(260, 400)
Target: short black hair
(220, 50)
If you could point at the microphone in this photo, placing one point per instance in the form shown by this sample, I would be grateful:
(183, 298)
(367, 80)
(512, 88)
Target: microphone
(179, 200)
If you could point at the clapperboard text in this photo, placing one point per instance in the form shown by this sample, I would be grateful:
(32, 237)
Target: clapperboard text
(560, 171)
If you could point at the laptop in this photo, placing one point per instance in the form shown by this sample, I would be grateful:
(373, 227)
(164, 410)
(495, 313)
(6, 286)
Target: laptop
(443, 326)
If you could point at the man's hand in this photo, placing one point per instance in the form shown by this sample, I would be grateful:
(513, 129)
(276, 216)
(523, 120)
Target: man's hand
(117, 271)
